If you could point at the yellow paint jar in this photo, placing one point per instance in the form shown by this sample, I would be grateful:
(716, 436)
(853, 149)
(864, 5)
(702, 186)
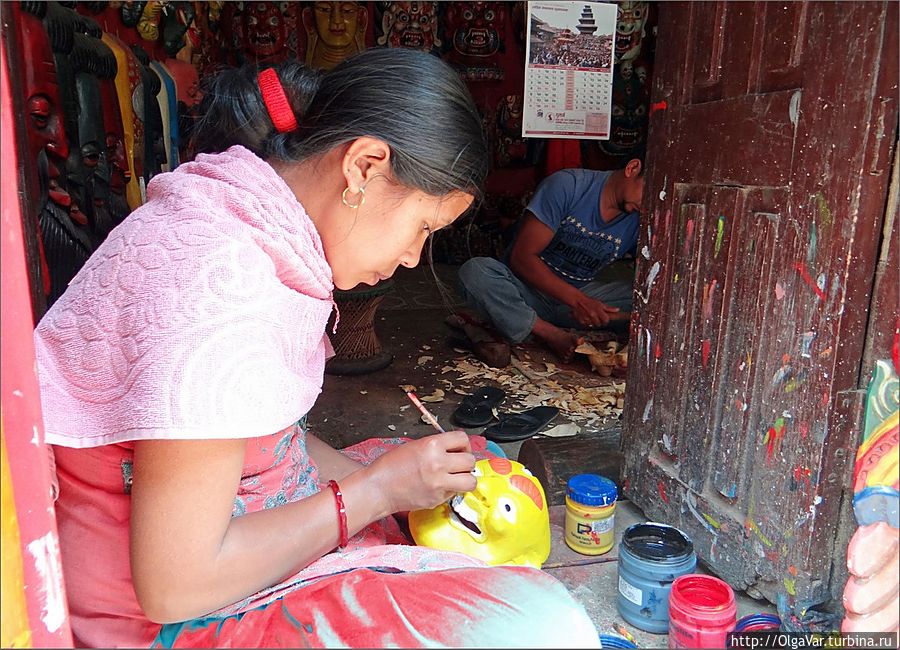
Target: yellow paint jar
(590, 514)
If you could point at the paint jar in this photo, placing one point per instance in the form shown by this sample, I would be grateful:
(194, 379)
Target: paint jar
(702, 611)
(651, 556)
(757, 622)
(590, 514)
(615, 641)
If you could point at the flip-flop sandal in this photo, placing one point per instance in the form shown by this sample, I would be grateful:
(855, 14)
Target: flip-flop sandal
(477, 410)
(519, 426)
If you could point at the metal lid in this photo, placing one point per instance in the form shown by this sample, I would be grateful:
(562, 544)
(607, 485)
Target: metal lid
(592, 490)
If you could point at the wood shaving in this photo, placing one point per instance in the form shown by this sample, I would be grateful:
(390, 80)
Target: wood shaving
(561, 430)
(436, 396)
(423, 360)
(591, 401)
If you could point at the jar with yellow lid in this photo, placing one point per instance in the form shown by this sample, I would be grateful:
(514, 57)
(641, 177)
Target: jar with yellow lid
(590, 514)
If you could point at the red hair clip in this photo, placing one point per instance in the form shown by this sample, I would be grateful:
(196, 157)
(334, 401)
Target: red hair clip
(276, 101)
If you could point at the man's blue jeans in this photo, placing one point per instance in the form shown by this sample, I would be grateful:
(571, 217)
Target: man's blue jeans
(493, 290)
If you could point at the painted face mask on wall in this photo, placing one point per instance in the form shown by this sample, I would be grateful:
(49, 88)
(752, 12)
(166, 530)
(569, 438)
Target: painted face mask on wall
(264, 34)
(44, 120)
(409, 24)
(505, 520)
(475, 32)
(632, 16)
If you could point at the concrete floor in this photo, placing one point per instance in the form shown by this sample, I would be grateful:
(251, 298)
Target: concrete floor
(410, 324)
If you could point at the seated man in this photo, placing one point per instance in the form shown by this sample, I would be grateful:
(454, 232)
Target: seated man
(578, 222)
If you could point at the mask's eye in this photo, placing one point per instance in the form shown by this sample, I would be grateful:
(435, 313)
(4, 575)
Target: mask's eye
(507, 508)
(476, 472)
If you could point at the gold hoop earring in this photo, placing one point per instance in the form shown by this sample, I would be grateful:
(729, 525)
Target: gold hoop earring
(362, 197)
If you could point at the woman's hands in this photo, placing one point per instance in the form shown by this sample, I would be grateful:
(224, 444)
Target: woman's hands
(189, 556)
(423, 473)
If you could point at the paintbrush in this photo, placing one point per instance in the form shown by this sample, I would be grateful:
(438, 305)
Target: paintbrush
(425, 412)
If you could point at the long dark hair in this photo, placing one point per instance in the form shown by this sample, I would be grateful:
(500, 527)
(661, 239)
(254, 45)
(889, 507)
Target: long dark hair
(410, 100)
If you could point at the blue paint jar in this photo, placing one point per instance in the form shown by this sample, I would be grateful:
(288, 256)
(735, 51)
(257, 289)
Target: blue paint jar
(756, 622)
(651, 556)
(615, 641)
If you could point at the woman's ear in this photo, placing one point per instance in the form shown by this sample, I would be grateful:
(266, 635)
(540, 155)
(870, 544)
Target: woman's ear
(365, 158)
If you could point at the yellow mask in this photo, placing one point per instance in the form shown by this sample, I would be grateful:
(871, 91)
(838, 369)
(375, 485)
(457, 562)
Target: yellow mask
(505, 520)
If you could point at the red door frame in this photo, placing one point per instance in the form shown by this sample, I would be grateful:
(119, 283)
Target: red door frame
(29, 461)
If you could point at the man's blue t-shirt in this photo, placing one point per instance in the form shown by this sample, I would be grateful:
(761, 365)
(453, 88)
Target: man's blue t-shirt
(568, 202)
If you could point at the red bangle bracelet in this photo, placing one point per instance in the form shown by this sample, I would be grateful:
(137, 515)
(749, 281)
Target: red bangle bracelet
(344, 536)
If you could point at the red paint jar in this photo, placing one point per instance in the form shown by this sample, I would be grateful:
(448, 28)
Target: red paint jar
(702, 612)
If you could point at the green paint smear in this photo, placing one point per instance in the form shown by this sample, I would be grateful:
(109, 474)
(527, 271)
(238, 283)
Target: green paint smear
(824, 210)
(765, 540)
(813, 243)
(720, 229)
(791, 586)
(712, 522)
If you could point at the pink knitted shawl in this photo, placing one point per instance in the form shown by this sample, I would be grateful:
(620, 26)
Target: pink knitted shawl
(202, 316)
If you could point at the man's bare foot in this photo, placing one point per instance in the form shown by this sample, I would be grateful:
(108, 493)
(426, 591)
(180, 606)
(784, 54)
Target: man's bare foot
(561, 342)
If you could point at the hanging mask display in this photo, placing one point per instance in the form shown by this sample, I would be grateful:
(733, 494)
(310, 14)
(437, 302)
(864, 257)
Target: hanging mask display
(505, 520)
(179, 31)
(43, 108)
(92, 138)
(117, 173)
(154, 143)
(630, 23)
(132, 11)
(474, 34)
(630, 111)
(412, 25)
(630, 102)
(127, 82)
(263, 31)
(334, 30)
(148, 24)
(512, 148)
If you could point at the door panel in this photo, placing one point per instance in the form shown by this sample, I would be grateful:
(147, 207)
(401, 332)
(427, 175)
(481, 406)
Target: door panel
(763, 212)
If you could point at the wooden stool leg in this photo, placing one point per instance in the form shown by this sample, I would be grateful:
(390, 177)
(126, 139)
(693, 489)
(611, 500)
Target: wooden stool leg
(357, 348)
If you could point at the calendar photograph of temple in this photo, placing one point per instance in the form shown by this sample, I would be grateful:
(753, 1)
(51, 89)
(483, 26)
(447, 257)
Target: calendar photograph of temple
(557, 39)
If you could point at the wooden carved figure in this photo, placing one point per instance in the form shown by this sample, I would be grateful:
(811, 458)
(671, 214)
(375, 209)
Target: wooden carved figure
(872, 590)
(409, 24)
(264, 31)
(475, 34)
(335, 30)
(127, 82)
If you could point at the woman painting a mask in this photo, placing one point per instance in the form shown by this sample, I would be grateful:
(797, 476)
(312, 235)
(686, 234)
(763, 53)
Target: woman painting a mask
(177, 369)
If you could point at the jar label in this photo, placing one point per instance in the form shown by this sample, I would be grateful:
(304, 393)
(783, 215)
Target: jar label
(630, 592)
(604, 525)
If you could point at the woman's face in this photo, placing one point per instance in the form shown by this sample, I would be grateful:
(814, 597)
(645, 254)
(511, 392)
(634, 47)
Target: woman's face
(389, 229)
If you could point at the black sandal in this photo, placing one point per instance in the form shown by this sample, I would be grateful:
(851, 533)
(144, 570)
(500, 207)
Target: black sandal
(477, 410)
(519, 426)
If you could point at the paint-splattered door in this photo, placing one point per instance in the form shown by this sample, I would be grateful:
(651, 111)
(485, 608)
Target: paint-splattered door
(771, 137)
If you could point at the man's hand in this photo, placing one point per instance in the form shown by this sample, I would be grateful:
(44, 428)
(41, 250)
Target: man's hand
(592, 313)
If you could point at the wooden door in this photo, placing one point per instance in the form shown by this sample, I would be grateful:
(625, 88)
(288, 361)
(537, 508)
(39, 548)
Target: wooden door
(770, 144)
